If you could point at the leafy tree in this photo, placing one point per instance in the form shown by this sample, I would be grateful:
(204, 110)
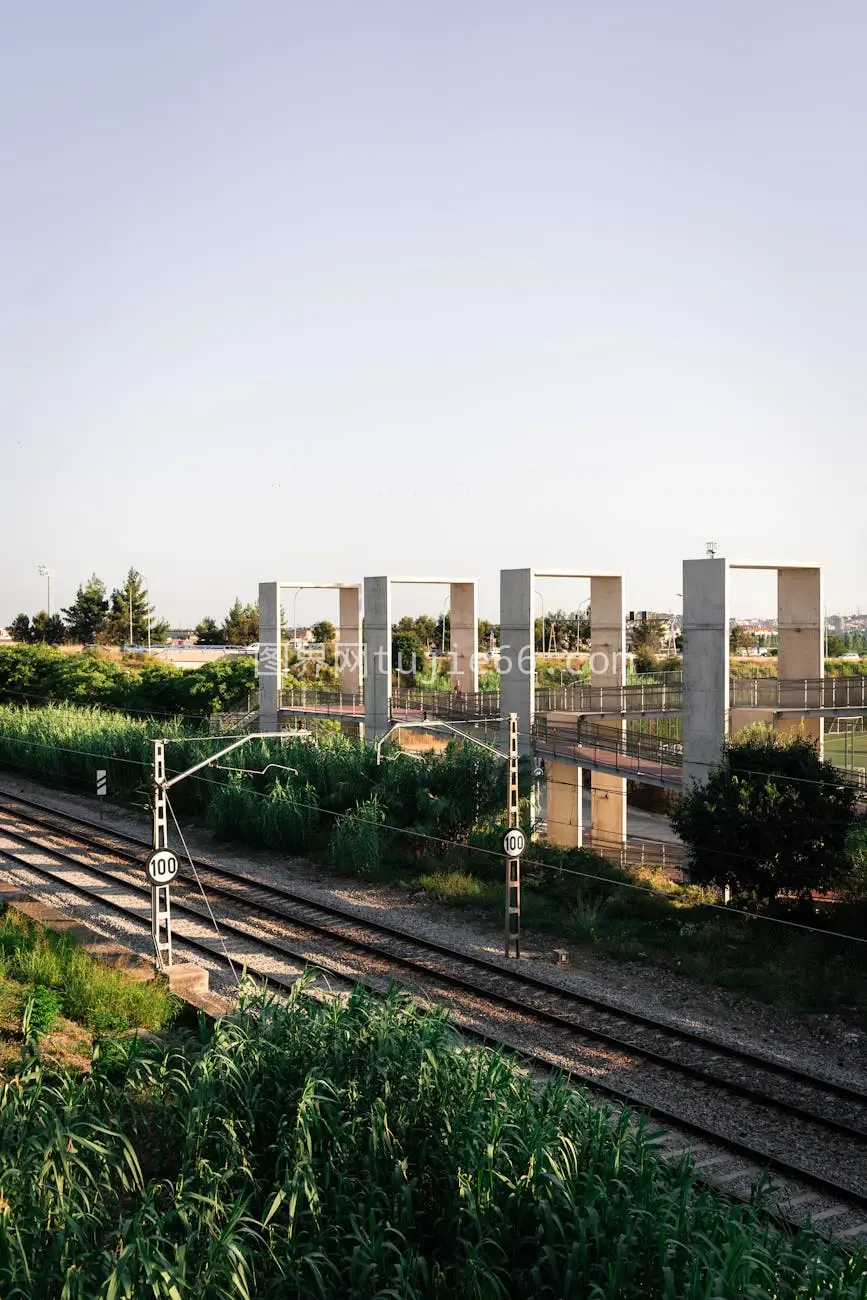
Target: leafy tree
(208, 632)
(117, 624)
(323, 632)
(85, 617)
(241, 626)
(426, 629)
(772, 817)
(49, 628)
(487, 629)
(835, 646)
(20, 630)
(408, 659)
(739, 639)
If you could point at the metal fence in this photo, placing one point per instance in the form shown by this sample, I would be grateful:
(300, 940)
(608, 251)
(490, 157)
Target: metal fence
(638, 758)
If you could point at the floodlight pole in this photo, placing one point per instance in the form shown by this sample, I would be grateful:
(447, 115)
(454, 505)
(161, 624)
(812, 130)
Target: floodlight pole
(161, 909)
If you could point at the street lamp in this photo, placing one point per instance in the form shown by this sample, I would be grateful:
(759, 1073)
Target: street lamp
(446, 599)
(295, 620)
(45, 572)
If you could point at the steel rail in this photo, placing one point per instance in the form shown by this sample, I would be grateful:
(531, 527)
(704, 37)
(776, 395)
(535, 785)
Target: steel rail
(841, 1192)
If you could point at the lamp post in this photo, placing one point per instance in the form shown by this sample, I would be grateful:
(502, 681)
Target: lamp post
(446, 600)
(48, 574)
(295, 621)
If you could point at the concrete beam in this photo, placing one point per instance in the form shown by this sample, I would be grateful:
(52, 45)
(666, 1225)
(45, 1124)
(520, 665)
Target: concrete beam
(349, 648)
(705, 666)
(517, 652)
(608, 668)
(801, 640)
(377, 656)
(464, 634)
(270, 651)
(563, 786)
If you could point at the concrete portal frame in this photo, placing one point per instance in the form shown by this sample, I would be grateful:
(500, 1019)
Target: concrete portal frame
(270, 642)
(518, 695)
(464, 634)
(706, 717)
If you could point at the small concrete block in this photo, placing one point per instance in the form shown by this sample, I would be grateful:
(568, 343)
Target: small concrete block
(187, 978)
(561, 957)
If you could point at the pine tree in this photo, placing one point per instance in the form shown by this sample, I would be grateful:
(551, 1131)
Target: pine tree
(242, 624)
(117, 624)
(19, 629)
(208, 632)
(48, 628)
(85, 617)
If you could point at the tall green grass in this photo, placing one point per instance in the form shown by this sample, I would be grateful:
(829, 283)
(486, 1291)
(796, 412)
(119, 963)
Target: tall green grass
(355, 1150)
(90, 993)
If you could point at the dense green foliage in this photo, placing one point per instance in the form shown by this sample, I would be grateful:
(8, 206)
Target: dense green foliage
(286, 795)
(40, 1008)
(37, 674)
(355, 1149)
(82, 989)
(773, 817)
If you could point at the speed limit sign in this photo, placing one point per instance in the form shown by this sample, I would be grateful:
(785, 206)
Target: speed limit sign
(162, 867)
(514, 842)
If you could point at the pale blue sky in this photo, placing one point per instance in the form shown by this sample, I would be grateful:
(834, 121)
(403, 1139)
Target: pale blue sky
(330, 289)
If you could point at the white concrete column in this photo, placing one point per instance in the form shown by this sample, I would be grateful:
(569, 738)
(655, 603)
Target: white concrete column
(801, 633)
(269, 655)
(349, 650)
(607, 669)
(517, 652)
(705, 666)
(377, 656)
(464, 634)
(563, 789)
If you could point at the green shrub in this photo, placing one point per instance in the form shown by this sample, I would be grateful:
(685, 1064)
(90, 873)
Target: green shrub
(40, 1008)
(356, 841)
(772, 817)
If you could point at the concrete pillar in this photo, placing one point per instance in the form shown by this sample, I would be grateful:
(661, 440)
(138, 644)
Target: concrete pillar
(464, 633)
(705, 665)
(563, 788)
(607, 669)
(269, 655)
(377, 656)
(349, 652)
(801, 651)
(517, 652)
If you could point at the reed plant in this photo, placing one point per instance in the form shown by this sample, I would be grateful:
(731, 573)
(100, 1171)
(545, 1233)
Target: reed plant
(356, 1148)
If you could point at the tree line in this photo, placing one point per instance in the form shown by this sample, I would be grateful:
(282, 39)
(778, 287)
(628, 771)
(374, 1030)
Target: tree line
(125, 616)
(96, 618)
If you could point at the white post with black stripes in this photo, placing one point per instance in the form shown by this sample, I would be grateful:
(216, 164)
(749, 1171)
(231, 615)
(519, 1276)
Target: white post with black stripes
(161, 907)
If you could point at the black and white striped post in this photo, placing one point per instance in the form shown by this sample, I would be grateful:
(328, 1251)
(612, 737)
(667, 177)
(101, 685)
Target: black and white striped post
(514, 843)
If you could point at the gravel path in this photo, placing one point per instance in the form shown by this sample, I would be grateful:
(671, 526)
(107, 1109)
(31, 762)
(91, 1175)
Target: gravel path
(823, 1045)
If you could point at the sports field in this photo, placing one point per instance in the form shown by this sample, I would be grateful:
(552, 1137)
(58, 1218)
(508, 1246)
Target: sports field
(846, 750)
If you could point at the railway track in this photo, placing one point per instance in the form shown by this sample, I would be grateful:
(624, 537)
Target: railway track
(738, 1113)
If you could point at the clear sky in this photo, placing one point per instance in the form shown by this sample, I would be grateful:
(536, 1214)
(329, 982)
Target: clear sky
(320, 290)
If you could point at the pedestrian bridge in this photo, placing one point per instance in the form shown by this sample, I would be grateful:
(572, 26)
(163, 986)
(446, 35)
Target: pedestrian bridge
(804, 697)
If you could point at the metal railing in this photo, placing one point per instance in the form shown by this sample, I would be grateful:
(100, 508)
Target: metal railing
(452, 706)
(644, 697)
(639, 758)
(799, 693)
(323, 702)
